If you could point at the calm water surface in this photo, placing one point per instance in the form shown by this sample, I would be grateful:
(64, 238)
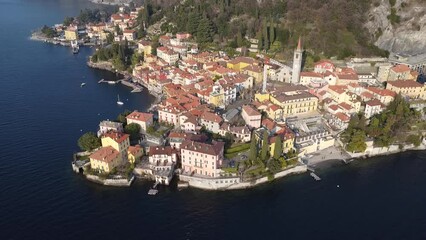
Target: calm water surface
(44, 109)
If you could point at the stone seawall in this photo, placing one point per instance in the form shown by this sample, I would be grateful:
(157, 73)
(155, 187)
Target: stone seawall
(233, 183)
(381, 151)
(111, 182)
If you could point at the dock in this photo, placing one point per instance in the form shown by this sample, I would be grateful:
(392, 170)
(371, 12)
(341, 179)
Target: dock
(153, 191)
(127, 82)
(316, 177)
(109, 82)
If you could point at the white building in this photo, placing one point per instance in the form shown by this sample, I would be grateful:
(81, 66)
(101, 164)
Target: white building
(144, 120)
(211, 121)
(168, 55)
(162, 162)
(106, 126)
(373, 107)
(251, 116)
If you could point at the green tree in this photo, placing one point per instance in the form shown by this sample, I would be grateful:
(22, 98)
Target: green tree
(193, 22)
(278, 150)
(240, 40)
(265, 147)
(357, 142)
(133, 130)
(266, 42)
(416, 140)
(68, 21)
(274, 165)
(89, 141)
(253, 149)
(271, 33)
(136, 59)
(204, 31)
(122, 116)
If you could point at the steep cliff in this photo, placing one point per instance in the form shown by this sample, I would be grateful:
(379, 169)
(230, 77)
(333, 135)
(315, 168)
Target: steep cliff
(398, 26)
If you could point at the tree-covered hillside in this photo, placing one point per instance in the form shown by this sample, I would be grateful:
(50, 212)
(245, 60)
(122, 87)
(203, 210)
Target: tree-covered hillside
(328, 27)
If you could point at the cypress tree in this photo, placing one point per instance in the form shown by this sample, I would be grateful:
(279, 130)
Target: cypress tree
(278, 147)
(253, 149)
(265, 147)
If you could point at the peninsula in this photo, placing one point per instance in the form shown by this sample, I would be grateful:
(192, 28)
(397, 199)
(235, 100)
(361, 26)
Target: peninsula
(236, 115)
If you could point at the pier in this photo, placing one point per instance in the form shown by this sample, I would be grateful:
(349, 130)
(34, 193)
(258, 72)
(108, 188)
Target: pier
(127, 82)
(316, 177)
(153, 191)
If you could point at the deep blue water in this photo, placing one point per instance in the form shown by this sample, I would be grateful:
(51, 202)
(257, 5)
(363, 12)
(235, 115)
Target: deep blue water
(43, 110)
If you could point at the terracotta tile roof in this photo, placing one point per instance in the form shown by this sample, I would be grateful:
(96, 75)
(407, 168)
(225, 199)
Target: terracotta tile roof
(345, 106)
(374, 102)
(405, 84)
(311, 74)
(212, 117)
(268, 124)
(116, 136)
(401, 68)
(134, 149)
(105, 154)
(253, 68)
(247, 60)
(168, 150)
(249, 110)
(140, 116)
(367, 95)
(129, 31)
(215, 148)
(333, 107)
(338, 88)
(180, 135)
(381, 92)
(343, 117)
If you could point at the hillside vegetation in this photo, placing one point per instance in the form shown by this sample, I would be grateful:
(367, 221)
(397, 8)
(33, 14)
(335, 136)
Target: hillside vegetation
(328, 27)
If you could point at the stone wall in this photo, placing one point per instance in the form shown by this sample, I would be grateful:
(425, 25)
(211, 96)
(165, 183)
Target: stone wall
(232, 183)
(111, 182)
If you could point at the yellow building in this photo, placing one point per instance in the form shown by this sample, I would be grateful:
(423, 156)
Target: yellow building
(216, 99)
(105, 159)
(119, 141)
(134, 153)
(239, 63)
(145, 47)
(261, 97)
(274, 111)
(407, 88)
(287, 138)
(254, 71)
(103, 35)
(71, 34)
(400, 72)
(296, 104)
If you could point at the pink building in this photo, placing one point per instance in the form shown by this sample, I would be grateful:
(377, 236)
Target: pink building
(251, 116)
(201, 158)
(144, 120)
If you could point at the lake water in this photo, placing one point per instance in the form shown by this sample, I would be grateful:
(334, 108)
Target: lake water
(44, 111)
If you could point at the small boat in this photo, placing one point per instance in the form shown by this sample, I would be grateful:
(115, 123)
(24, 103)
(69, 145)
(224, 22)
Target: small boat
(75, 47)
(118, 100)
(82, 84)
